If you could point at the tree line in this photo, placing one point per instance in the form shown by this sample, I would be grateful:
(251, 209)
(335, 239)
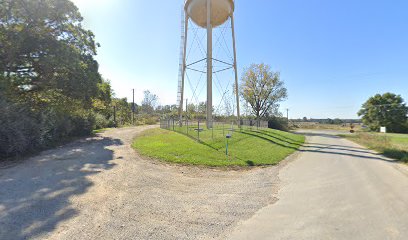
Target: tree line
(50, 86)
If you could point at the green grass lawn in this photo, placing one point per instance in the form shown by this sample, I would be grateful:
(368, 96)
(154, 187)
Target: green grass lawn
(391, 145)
(399, 139)
(246, 147)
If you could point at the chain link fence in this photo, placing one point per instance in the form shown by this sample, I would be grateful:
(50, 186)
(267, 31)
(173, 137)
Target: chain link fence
(217, 130)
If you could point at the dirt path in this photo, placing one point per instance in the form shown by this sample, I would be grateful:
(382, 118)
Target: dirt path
(335, 189)
(98, 188)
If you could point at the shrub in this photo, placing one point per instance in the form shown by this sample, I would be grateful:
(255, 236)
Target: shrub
(405, 128)
(24, 130)
(57, 125)
(146, 119)
(19, 130)
(101, 121)
(83, 122)
(150, 120)
(278, 123)
(53, 125)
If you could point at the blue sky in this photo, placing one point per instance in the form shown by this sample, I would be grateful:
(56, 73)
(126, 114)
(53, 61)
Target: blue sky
(332, 54)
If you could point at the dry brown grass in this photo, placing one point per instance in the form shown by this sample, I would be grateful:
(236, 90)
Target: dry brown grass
(391, 145)
(311, 125)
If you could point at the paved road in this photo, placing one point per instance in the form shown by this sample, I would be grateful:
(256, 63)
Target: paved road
(335, 189)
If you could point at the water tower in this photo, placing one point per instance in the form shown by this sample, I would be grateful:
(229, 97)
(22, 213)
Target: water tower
(207, 14)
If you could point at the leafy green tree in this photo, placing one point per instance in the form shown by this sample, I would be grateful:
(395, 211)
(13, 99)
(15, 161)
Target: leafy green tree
(123, 111)
(191, 108)
(102, 103)
(168, 110)
(387, 110)
(202, 108)
(262, 89)
(149, 102)
(43, 46)
(48, 75)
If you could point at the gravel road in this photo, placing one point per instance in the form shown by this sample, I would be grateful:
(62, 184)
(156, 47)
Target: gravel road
(99, 188)
(335, 189)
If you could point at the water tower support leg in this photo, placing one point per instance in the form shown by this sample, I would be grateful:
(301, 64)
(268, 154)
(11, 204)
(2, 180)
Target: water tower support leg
(209, 66)
(184, 70)
(236, 69)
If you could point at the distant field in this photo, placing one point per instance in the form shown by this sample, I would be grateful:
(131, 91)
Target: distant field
(391, 145)
(246, 147)
(399, 139)
(312, 125)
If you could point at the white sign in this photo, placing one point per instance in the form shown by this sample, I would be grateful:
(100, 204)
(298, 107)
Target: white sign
(383, 130)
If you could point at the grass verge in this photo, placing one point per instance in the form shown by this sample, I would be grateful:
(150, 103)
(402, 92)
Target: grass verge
(96, 131)
(390, 145)
(246, 147)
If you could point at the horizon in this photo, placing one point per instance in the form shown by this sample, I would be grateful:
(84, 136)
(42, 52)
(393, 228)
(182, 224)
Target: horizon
(345, 51)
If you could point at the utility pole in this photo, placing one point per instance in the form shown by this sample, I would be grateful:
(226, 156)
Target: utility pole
(133, 108)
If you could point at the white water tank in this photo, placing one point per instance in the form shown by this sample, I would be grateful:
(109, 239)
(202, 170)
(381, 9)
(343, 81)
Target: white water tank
(221, 10)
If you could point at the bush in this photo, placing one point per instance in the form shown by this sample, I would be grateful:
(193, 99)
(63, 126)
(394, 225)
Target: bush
(150, 120)
(24, 130)
(278, 123)
(19, 130)
(101, 122)
(57, 125)
(405, 129)
(146, 119)
(83, 123)
(53, 125)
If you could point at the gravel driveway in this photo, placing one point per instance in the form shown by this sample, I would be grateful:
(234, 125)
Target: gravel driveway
(99, 188)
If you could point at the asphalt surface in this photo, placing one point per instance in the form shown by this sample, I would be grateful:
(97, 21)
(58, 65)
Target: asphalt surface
(335, 189)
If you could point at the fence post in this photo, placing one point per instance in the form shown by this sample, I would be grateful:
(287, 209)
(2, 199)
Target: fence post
(198, 130)
(212, 129)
